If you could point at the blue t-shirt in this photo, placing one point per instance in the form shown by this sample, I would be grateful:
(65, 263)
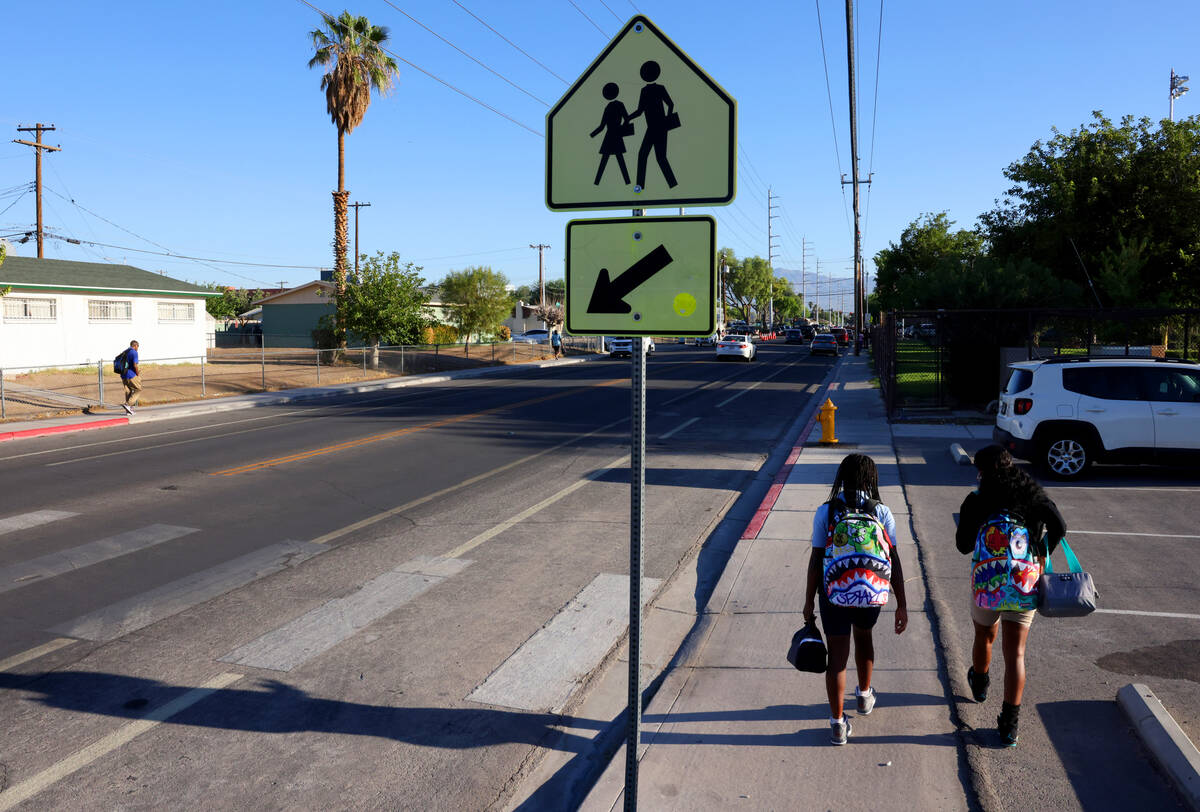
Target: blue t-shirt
(820, 528)
(131, 358)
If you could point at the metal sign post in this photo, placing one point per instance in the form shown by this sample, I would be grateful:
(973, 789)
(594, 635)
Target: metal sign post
(637, 517)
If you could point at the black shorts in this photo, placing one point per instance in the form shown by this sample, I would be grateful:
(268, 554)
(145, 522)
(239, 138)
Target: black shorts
(837, 620)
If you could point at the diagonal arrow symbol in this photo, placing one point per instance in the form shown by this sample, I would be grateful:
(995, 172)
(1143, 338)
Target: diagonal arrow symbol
(609, 294)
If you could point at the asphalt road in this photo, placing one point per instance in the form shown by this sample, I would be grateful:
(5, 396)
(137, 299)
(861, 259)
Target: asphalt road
(347, 604)
(1133, 529)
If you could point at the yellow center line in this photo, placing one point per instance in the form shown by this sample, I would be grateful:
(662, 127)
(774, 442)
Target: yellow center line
(388, 435)
(34, 653)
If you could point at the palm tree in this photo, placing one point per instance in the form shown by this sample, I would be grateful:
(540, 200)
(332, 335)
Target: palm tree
(352, 49)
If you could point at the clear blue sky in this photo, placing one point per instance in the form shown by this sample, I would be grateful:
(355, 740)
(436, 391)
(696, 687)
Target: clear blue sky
(199, 128)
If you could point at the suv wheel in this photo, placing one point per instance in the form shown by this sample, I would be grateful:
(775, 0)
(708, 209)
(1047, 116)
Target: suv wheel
(1067, 456)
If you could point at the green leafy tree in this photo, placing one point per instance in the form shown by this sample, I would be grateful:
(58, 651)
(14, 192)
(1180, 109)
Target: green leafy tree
(352, 51)
(478, 299)
(1125, 196)
(4, 291)
(383, 303)
(232, 302)
(748, 284)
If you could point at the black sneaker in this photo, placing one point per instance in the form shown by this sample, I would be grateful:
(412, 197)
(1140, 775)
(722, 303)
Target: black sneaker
(1006, 724)
(979, 684)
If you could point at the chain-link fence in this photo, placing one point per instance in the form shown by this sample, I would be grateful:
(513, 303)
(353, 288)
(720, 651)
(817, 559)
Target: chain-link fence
(958, 359)
(29, 392)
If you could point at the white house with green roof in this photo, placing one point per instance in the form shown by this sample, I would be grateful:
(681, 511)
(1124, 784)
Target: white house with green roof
(63, 312)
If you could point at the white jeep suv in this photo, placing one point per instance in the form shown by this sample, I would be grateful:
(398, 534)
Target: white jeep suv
(1067, 412)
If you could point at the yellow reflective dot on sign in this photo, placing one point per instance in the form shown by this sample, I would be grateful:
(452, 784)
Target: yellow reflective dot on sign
(685, 304)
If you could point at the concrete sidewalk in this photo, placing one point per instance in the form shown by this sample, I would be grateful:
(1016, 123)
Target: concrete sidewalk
(734, 725)
(111, 414)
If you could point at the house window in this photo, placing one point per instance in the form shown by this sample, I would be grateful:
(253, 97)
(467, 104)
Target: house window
(177, 311)
(110, 310)
(16, 309)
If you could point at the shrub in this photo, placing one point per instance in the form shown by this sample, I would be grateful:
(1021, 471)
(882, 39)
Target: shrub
(503, 334)
(439, 334)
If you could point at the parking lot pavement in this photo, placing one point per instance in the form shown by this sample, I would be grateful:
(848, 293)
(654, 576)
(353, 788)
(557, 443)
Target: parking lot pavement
(1132, 528)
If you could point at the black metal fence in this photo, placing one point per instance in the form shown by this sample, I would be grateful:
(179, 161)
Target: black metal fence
(958, 359)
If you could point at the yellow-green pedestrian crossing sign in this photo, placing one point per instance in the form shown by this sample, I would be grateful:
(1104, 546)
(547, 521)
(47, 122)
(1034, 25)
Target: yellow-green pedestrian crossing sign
(647, 276)
(643, 126)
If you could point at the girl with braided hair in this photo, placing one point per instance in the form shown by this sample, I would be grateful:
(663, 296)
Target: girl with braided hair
(1005, 490)
(855, 491)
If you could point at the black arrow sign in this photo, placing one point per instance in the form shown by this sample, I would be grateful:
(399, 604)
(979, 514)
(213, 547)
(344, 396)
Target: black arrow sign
(609, 294)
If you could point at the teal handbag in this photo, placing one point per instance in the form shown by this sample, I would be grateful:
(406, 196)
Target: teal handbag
(1066, 594)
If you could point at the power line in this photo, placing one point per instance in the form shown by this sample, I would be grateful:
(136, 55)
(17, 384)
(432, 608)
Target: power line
(173, 255)
(510, 42)
(589, 19)
(874, 117)
(467, 55)
(610, 11)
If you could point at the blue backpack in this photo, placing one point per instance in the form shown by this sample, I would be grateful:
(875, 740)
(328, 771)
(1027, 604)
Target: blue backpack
(1004, 569)
(121, 363)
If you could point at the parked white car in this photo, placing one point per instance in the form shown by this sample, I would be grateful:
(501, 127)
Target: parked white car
(1067, 412)
(738, 346)
(618, 346)
(532, 337)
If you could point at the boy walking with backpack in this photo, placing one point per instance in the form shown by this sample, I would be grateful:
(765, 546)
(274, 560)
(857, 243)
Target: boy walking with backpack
(855, 564)
(126, 365)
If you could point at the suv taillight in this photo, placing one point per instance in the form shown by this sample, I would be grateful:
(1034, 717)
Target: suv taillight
(1022, 405)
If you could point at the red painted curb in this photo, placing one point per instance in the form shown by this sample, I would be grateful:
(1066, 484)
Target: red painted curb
(755, 525)
(98, 424)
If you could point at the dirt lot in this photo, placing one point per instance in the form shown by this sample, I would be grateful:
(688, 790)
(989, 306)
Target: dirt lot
(236, 372)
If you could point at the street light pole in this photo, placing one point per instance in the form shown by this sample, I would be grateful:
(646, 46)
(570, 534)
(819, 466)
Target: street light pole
(1178, 89)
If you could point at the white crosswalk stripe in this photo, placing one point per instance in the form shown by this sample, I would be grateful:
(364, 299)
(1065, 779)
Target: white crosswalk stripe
(150, 607)
(542, 674)
(323, 628)
(24, 521)
(18, 575)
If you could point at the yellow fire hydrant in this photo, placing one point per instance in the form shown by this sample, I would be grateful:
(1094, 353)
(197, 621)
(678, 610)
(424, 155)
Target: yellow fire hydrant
(826, 418)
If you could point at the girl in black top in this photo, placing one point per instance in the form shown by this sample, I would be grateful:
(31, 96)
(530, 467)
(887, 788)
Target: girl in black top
(1003, 487)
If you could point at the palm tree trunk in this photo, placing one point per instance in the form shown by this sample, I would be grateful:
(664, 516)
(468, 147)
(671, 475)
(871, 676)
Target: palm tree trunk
(340, 236)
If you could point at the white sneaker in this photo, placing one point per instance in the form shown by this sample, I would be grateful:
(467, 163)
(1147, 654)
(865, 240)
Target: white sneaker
(125, 406)
(866, 702)
(839, 732)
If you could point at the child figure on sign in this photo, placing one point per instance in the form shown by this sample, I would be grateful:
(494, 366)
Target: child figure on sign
(615, 127)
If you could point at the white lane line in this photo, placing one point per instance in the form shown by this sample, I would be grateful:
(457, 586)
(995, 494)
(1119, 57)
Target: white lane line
(755, 385)
(34, 653)
(1148, 614)
(51, 775)
(52, 564)
(387, 514)
(1147, 535)
(530, 511)
(24, 521)
(139, 611)
(678, 428)
(542, 674)
(321, 629)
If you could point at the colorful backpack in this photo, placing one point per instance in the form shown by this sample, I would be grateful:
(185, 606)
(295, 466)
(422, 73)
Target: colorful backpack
(1004, 569)
(858, 557)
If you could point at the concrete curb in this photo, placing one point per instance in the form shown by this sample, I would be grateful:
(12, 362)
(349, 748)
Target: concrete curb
(43, 430)
(1171, 747)
(959, 455)
(173, 411)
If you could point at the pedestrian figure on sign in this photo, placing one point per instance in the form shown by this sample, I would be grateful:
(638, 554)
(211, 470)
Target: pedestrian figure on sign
(615, 126)
(661, 117)
(557, 342)
(131, 376)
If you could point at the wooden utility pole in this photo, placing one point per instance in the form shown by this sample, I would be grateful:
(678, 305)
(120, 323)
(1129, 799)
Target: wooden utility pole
(541, 277)
(356, 207)
(38, 146)
(858, 287)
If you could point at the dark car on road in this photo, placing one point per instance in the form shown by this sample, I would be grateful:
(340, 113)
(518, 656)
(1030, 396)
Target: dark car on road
(824, 344)
(793, 335)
